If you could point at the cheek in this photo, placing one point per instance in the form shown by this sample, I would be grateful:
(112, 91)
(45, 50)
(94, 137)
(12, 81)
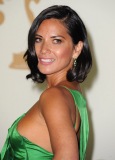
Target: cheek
(65, 53)
(37, 49)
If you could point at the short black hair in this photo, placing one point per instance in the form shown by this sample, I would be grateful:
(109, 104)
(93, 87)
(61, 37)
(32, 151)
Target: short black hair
(77, 31)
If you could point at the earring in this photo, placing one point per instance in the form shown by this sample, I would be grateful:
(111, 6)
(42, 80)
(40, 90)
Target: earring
(75, 62)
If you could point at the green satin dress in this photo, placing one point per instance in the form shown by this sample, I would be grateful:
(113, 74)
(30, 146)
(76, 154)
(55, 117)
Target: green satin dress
(18, 147)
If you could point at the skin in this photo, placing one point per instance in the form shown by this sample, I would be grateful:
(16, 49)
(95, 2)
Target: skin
(51, 120)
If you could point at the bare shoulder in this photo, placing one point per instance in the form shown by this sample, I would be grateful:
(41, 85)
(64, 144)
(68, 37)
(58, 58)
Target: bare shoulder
(55, 103)
(53, 90)
(54, 95)
(58, 99)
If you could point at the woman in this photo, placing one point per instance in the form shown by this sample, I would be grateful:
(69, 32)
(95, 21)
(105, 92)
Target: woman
(56, 127)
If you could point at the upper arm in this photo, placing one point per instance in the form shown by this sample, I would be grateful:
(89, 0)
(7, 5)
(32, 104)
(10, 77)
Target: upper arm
(56, 112)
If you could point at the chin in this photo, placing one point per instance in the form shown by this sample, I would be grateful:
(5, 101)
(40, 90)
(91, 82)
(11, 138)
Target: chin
(45, 72)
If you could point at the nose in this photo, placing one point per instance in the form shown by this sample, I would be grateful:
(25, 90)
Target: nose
(45, 48)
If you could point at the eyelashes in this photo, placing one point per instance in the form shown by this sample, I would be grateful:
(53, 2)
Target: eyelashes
(54, 40)
(38, 39)
(57, 41)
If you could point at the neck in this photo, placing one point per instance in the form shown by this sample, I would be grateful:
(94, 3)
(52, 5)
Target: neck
(54, 80)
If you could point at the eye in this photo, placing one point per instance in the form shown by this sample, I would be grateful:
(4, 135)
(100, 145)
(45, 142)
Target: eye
(57, 41)
(38, 39)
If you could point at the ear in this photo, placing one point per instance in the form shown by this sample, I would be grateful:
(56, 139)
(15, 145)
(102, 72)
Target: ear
(77, 49)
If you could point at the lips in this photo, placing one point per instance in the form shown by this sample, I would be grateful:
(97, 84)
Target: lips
(46, 60)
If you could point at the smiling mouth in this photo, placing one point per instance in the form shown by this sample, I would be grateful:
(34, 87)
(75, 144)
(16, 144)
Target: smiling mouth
(46, 60)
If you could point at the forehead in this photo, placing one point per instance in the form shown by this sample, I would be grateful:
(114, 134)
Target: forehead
(52, 25)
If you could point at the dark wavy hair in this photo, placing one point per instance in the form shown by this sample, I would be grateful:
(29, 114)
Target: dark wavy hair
(76, 29)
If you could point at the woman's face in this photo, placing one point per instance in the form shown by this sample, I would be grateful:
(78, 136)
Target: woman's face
(54, 47)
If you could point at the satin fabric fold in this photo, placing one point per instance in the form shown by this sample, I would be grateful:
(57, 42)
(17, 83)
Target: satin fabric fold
(84, 128)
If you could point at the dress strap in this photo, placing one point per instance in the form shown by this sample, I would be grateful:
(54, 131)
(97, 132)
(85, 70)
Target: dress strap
(84, 127)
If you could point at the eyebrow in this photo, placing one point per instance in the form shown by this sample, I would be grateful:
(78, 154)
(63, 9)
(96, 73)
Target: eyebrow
(57, 36)
(38, 35)
(51, 36)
